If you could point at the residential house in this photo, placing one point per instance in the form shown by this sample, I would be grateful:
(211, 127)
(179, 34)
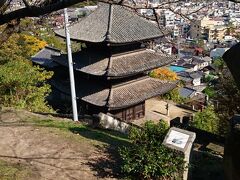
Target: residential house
(186, 92)
(195, 100)
(191, 78)
(217, 52)
(208, 69)
(199, 62)
(192, 63)
(169, 19)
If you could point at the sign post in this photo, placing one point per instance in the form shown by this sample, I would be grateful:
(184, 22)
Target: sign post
(181, 140)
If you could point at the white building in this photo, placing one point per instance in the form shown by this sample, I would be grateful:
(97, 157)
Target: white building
(217, 52)
(169, 18)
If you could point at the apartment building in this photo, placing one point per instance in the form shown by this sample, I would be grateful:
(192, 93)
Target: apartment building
(208, 28)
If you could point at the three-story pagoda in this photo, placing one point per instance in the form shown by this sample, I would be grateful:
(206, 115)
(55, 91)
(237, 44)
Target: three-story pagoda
(110, 74)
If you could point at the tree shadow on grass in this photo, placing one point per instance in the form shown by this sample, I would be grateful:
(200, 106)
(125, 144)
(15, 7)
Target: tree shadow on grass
(206, 166)
(109, 165)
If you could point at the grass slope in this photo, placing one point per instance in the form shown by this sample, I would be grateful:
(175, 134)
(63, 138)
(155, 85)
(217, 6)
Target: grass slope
(10, 171)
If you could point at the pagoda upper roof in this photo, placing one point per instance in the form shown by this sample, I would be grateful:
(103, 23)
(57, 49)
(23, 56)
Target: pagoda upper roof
(114, 24)
(98, 63)
(119, 96)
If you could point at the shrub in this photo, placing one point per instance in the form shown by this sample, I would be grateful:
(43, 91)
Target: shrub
(23, 85)
(174, 96)
(147, 158)
(210, 91)
(207, 120)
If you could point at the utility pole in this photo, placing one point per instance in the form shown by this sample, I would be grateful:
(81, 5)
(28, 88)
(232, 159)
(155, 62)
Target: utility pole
(70, 65)
(178, 46)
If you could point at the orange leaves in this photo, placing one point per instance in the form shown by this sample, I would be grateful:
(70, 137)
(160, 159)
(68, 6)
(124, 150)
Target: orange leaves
(164, 74)
(32, 44)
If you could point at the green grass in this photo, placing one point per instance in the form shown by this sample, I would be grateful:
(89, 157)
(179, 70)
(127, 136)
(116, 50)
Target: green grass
(101, 135)
(13, 171)
(206, 166)
(76, 133)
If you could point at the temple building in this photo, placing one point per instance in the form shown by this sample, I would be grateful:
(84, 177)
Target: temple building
(111, 73)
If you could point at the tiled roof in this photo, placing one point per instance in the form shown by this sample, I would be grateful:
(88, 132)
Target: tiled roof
(197, 61)
(121, 64)
(138, 62)
(120, 96)
(196, 74)
(186, 92)
(207, 59)
(44, 57)
(130, 94)
(189, 65)
(113, 24)
(188, 76)
(92, 62)
(198, 88)
(180, 62)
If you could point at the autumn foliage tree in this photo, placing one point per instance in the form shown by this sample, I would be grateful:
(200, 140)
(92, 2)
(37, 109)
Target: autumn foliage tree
(30, 45)
(22, 85)
(164, 74)
(168, 75)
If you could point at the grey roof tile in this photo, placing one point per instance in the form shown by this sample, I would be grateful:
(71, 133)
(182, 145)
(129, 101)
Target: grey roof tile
(130, 93)
(120, 96)
(189, 76)
(207, 59)
(44, 57)
(196, 74)
(96, 63)
(186, 92)
(113, 24)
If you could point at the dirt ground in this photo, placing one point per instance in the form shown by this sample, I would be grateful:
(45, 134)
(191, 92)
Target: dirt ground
(51, 154)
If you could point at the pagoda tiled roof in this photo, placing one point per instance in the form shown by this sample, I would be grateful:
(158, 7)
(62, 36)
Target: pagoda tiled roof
(120, 96)
(117, 65)
(44, 57)
(113, 24)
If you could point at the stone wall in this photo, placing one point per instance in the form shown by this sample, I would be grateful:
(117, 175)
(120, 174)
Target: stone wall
(108, 122)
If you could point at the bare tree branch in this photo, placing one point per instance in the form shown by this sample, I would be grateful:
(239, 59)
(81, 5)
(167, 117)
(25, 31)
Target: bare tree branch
(41, 7)
(36, 11)
(4, 5)
(11, 28)
(26, 3)
(36, 8)
(235, 1)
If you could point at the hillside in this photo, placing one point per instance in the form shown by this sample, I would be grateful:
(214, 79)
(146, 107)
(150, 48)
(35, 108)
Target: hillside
(34, 146)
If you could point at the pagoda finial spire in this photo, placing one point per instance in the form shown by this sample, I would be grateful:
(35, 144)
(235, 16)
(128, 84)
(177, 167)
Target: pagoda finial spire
(109, 24)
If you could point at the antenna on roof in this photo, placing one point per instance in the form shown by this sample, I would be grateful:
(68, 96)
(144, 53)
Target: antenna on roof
(70, 65)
